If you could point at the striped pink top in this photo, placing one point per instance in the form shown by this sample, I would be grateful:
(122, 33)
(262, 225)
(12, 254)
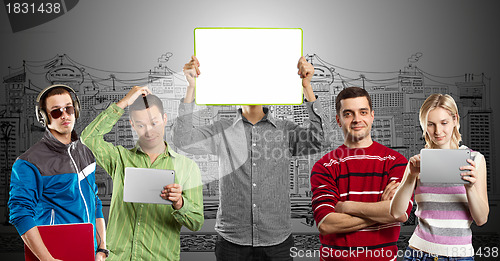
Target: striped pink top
(443, 219)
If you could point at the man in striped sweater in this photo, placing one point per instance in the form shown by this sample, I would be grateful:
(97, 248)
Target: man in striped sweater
(352, 187)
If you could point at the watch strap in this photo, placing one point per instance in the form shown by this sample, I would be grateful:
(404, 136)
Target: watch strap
(102, 250)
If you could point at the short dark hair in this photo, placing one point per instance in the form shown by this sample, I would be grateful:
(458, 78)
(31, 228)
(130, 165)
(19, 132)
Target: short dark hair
(55, 91)
(139, 104)
(352, 92)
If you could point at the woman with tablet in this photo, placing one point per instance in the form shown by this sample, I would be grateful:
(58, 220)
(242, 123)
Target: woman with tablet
(444, 211)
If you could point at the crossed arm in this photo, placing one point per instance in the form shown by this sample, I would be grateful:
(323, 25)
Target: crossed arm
(350, 216)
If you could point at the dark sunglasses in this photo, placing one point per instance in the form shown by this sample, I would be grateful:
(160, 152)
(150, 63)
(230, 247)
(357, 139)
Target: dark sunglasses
(56, 113)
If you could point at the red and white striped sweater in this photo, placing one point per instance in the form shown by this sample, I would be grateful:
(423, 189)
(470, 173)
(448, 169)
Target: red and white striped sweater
(357, 175)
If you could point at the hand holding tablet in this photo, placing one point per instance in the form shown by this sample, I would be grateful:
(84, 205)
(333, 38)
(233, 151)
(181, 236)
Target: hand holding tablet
(143, 185)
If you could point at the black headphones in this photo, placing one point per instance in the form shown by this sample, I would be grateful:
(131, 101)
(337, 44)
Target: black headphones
(41, 114)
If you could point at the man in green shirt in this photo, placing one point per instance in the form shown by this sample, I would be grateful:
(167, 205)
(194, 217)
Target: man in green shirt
(145, 231)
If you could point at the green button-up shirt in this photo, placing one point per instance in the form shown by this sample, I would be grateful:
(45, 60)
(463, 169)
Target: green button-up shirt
(144, 231)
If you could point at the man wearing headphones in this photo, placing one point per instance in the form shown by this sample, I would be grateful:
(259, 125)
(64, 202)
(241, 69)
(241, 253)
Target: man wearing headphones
(53, 182)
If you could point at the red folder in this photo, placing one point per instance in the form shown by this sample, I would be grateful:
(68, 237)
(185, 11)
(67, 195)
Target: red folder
(69, 242)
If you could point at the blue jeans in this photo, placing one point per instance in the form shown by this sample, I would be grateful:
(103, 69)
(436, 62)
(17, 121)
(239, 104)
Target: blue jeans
(417, 255)
(227, 251)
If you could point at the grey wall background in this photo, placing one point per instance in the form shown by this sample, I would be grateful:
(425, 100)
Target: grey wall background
(455, 38)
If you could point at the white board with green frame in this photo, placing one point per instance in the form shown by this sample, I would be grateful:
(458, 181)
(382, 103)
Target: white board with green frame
(247, 66)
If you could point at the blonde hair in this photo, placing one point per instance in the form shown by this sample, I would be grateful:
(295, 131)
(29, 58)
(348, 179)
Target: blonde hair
(446, 102)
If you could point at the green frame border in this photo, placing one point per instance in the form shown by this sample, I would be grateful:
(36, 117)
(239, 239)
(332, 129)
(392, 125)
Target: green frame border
(301, 54)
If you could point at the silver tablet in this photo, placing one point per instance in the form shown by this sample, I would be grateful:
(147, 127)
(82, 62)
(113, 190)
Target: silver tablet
(142, 185)
(443, 165)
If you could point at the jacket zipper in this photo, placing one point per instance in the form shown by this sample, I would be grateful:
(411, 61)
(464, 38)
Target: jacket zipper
(52, 217)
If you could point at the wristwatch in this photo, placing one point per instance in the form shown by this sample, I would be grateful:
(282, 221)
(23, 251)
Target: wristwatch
(102, 250)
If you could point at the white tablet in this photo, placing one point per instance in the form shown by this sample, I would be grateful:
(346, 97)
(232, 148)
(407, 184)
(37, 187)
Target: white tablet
(247, 66)
(443, 165)
(142, 185)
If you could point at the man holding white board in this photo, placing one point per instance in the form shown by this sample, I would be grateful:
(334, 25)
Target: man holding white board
(254, 149)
